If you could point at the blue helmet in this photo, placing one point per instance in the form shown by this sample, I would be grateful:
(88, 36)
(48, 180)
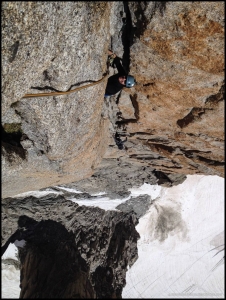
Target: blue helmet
(130, 81)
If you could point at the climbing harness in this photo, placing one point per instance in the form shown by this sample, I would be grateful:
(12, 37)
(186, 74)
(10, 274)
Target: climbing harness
(64, 93)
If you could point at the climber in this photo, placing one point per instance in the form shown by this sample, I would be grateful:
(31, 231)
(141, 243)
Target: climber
(121, 79)
(118, 141)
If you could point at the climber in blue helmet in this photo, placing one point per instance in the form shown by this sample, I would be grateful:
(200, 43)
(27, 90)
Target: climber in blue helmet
(121, 79)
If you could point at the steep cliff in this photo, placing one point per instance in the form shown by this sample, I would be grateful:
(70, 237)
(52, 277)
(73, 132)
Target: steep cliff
(173, 119)
(174, 116)
(52, 46)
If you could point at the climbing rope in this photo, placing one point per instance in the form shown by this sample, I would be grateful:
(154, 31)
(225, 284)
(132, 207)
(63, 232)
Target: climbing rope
(64, 93)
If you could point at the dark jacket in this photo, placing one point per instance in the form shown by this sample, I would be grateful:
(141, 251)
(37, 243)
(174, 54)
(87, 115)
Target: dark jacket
(113, 84)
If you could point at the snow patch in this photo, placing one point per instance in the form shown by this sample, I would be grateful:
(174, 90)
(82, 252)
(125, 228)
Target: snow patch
(37, 194)
(103, 202)
(177, 258)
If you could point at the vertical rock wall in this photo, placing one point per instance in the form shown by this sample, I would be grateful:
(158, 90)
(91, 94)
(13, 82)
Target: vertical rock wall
(174, 117)
(52, 46)
(173, 120)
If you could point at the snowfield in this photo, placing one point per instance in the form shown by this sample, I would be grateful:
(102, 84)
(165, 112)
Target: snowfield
(181, 245)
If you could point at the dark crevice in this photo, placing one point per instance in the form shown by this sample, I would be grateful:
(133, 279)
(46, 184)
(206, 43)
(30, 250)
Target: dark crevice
(14, 105)
(162, 177)
(118, 97)
(141, 133)
(155, 140)
(55, 90)
(44, 88)
(135, 105)
(196, 112)
(192, 153)
(194, 115)
(47, 77)
(11, 136)
(103, 277)
(9, 150)
(126, 121)
(14, 49)
(141, 157)
(149, 84)
(214, 99)
(205, 136)
(210, 161)
(142, 22)
(127, 37)
(160, 147)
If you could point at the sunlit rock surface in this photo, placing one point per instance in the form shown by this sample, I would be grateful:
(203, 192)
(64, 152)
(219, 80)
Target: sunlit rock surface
(177, 56)
(173, 118)
(52, 46)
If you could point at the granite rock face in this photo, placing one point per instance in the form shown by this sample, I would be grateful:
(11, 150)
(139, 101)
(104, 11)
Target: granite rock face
(51, 46)
(173, 118)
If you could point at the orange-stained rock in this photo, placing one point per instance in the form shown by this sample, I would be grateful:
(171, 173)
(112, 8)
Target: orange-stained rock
(177, 57)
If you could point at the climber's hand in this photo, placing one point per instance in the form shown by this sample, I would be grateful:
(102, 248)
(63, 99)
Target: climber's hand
(111, 53)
